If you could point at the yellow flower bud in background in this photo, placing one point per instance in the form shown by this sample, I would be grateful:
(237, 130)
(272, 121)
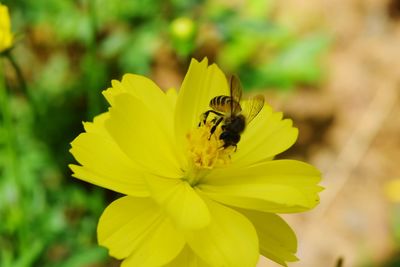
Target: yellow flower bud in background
(183, 33)
(6, 36)
(182, 28)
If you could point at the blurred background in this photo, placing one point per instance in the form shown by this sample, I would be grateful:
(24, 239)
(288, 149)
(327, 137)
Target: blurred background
(331, 65)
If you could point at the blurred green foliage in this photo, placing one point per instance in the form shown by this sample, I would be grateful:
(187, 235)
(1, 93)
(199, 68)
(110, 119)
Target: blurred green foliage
(68, 51)
(394, 260)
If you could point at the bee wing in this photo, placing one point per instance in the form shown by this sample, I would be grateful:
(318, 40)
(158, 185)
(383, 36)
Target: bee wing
(236, 93)
(252, 107)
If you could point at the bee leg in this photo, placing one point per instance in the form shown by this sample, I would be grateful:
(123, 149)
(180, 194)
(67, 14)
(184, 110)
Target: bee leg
(215, 126)
(205, 116)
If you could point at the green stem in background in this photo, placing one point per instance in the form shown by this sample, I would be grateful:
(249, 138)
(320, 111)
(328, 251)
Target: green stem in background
(8, 127)
(18, 72)
(22, 82)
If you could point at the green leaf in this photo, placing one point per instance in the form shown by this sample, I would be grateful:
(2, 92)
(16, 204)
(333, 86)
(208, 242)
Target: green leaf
(299, 63)
(85, 257)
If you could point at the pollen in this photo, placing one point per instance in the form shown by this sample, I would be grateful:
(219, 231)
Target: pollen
(205, 149)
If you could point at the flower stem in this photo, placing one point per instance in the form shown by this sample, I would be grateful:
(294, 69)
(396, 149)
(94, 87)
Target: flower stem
(18, 71)
(5, 110)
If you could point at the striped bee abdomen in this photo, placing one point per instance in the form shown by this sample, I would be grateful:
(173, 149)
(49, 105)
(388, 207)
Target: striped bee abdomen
(225, 104)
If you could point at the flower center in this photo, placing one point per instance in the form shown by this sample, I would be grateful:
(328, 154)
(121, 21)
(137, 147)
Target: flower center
(205, 149)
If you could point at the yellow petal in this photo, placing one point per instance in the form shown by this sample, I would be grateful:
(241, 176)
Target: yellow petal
(97, 126)
(138, 132)
(6, 36)
(277, 240)
(103, 162)
(172, 96)
(146, 91)
(266, 136)
(161, 105)
(272, 186)
(187, 259)
(180, 201)
(136, 229)
(229, 240)
(201, 84)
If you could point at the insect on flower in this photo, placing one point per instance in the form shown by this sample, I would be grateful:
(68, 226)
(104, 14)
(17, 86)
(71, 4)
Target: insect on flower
(191, 198)
(229, 112)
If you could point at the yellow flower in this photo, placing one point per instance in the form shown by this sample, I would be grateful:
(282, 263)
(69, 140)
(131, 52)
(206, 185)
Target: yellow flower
(182, 28)
(188, 201)
(6, 36)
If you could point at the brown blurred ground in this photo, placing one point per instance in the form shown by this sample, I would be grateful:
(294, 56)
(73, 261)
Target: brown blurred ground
(350, 129)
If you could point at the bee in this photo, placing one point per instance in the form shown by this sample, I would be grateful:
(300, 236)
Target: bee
(229, 112)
